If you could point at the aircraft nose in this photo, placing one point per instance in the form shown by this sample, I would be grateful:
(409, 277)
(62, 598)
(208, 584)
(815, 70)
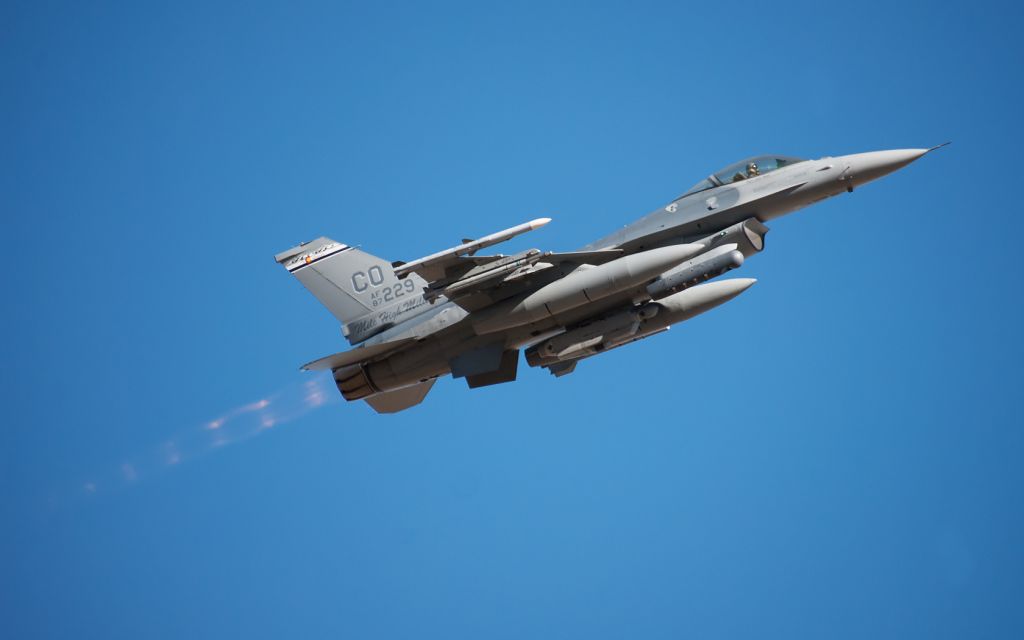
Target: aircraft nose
(862, 168)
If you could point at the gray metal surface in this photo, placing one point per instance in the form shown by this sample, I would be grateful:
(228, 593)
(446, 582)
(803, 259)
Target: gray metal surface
(454, 312)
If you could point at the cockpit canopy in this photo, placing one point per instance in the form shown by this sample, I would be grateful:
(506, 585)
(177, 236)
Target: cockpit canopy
(749, 168)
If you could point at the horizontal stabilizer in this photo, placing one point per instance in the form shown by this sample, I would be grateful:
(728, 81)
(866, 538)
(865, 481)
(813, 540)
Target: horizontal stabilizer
(357, 355)
(400, 399)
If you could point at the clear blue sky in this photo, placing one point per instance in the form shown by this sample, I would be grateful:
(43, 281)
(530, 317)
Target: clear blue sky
(837, 453)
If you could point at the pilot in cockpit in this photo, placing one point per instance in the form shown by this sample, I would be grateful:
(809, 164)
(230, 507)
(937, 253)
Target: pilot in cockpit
(752, 172)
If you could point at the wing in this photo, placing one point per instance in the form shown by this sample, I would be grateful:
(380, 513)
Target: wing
(435, 265)
(465, 278)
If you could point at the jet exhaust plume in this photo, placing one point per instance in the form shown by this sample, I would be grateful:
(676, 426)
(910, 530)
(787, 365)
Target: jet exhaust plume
(232, 427)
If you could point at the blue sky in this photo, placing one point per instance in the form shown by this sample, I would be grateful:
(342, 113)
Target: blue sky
(834, 454)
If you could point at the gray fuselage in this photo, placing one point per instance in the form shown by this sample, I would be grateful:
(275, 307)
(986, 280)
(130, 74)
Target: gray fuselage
(740, 197)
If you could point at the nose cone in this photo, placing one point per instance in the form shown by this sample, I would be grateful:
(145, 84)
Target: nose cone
(865, 167)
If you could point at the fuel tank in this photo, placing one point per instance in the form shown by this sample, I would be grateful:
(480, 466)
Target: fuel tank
(631, 325)
(584, 285)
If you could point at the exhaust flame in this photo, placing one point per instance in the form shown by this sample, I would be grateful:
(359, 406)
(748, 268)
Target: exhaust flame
(232, 427)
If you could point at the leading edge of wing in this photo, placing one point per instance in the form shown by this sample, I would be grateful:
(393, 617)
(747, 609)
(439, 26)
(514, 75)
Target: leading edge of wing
(353, 356)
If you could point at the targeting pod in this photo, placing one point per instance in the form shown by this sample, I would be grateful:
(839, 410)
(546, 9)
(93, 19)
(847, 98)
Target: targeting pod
(700, 269)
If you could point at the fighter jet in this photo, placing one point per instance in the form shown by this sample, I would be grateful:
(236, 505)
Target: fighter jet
(461, 313)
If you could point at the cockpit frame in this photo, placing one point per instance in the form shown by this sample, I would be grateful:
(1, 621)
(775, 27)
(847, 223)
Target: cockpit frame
(744, 169)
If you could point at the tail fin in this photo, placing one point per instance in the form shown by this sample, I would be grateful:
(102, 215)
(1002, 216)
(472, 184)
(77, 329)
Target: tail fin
(359, 289)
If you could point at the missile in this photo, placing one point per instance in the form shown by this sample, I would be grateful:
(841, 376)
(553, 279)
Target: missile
(593, 351)
(477, 276)
(468, 248)
(591, 333)
(621, 328)
(584, 285)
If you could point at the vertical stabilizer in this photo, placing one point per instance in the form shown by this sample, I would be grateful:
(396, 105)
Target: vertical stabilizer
(359, 289)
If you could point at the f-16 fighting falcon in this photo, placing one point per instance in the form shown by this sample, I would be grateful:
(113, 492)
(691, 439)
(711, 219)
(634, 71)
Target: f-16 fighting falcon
(469, 315)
